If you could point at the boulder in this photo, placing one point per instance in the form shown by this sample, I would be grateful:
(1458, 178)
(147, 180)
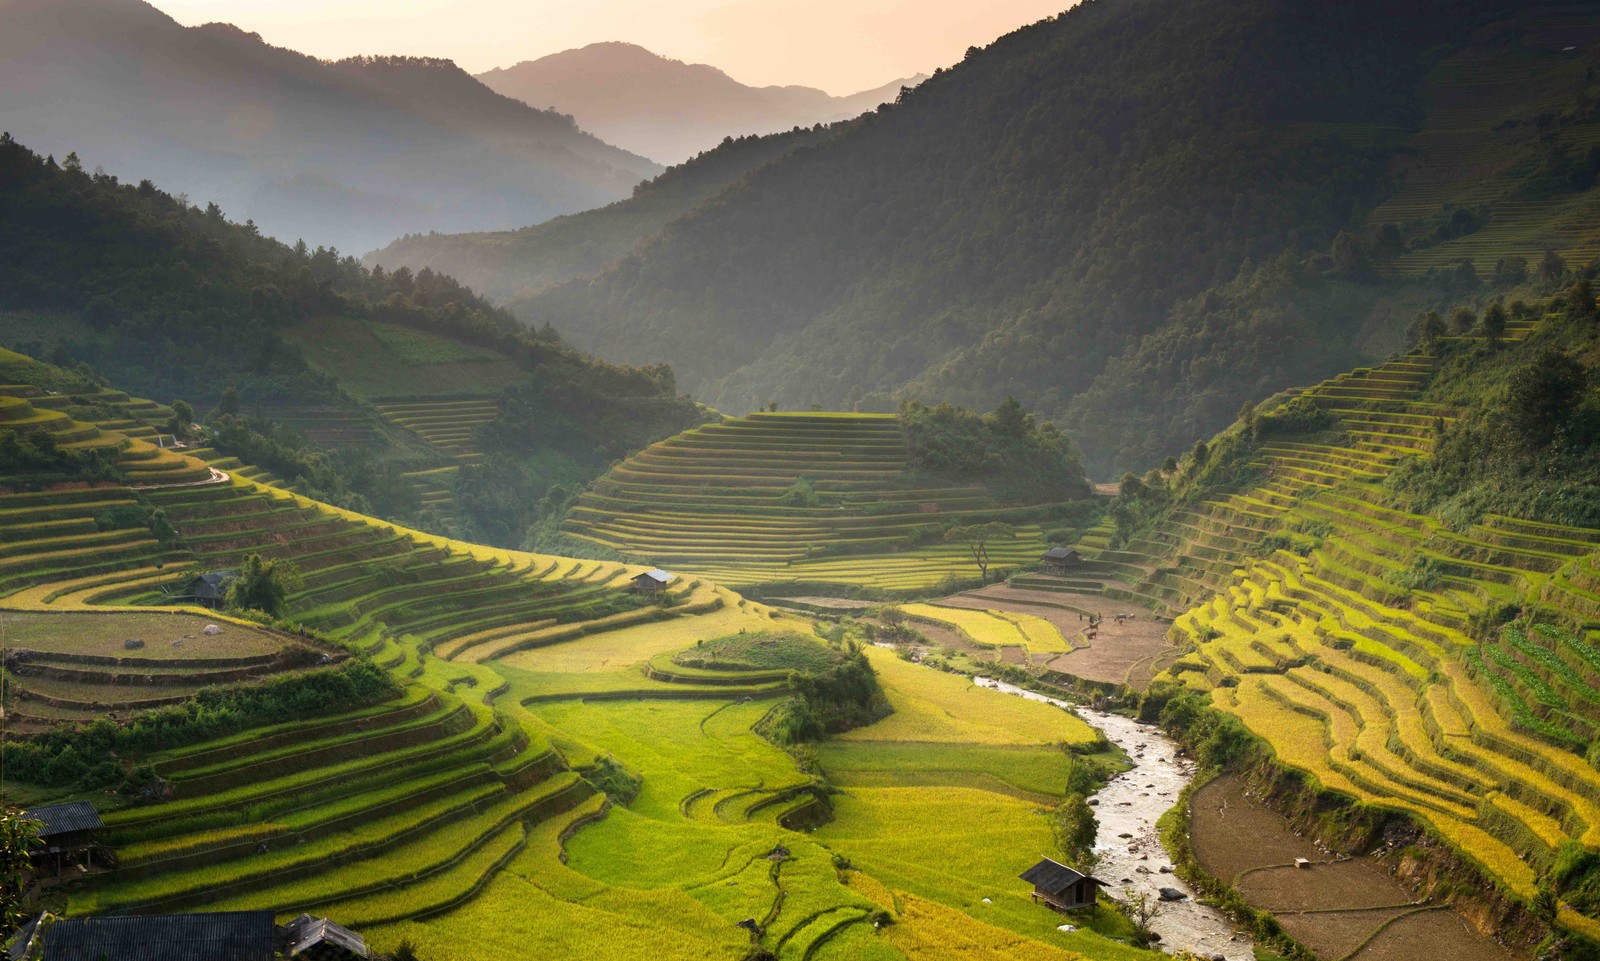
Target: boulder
(212, 630)
(1173, 894)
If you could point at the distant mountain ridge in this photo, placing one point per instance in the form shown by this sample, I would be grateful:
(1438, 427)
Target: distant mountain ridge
(666, 109)
(350, 153)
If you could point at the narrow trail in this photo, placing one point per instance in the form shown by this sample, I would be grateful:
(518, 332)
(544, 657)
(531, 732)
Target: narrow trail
(1129, 844)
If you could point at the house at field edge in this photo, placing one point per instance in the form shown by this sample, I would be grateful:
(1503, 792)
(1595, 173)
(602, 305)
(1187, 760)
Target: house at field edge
(651, 582)
(67, 831)
(1061, 887)
(1060, 560)
(220, 936)
(210, 588)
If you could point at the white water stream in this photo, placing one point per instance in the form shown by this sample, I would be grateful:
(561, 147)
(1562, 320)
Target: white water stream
(1131, 855)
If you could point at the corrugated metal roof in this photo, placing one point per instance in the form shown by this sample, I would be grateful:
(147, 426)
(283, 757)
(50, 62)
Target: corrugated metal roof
(221, 936)
(306, 932)
(63, 818)
(656, 575)
(1052, 876)
(1060, 553)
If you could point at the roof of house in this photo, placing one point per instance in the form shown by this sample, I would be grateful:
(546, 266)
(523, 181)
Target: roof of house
(221, 936)
(1061, 553)
(306, 932)
(65, 818)
(1053, 876)
(213, 583)
(657, 575)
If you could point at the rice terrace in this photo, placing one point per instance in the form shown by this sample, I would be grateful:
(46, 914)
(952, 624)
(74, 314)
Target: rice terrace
(1130, 490)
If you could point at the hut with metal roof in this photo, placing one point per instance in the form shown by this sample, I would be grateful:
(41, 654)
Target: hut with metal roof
(209, 589)
(68, 832)
(318, 939)
(1062, 887)
(651, 582)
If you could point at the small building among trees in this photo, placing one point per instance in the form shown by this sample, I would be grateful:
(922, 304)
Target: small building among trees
(68, 835)
(1062, 887)
(1060, 560)
(209, 589)
(652, 582)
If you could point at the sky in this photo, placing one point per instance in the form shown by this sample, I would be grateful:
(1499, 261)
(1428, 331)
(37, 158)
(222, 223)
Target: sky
(841, 46)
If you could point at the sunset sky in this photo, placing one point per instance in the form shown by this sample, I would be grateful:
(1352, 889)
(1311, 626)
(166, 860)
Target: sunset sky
(839, 45)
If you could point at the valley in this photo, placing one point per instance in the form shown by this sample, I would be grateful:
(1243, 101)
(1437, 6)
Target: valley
(1133, 494)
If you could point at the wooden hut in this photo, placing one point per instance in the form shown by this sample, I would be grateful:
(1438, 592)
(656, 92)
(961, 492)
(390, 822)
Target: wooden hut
(652, 582)
(1060, 560)
(68, 832)
(1062, 887)
(209, 589)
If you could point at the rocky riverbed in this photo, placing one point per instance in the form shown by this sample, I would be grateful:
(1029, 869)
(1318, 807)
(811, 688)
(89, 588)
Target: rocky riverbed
(1131, 856)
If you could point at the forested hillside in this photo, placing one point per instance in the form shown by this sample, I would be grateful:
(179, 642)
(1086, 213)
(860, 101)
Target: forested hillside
(346, 154)
(178, 303)
(512, 265)
(1079, 215)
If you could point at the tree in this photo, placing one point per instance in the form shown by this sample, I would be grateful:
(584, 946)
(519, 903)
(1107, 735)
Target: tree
(1075, 828)
(1494, 321)
(1580, 301)
(229, 402)
(1462, 320)
(1510, 271)
(1540, 396)
(263, 585)
(1552, 268)
(976, 538)
(18, 837)
(182, 419)
(1430, 328)
(1247, 417)
(1142, 909)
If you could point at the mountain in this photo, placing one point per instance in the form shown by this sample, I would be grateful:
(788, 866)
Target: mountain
(667, 109)
(349, 154)
(1108, 216)
(512, 265)
(404, 393)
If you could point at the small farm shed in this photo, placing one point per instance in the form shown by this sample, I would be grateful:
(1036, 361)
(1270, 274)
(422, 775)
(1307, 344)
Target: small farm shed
(319, 939)
(218, 936)
(1062, 887)
(651, 582)
(1060, 560)
(68, 832)
(210, 588)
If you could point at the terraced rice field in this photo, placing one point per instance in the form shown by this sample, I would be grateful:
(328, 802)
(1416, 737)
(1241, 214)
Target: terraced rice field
(1375, 690)
(144, 455)
(457, 815)
(720, 500)
(1482, 136)
(445, 423)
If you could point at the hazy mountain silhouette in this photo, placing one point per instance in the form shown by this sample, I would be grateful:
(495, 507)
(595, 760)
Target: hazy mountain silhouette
(348, 153)
(665, 109)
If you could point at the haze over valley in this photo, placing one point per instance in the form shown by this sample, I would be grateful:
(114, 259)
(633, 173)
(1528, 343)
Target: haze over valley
(479, 481)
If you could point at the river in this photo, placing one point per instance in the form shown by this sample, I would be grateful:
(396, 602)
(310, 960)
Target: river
(1129, 845)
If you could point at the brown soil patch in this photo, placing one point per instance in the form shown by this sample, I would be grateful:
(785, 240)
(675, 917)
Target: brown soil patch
(1332, 908)
(1346, 884)
(1432, 934)
(1337, 934)
(1233, 833)
(1123, 653)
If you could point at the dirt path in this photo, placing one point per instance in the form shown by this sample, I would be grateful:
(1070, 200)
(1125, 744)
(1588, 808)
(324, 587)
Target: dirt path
(1333, 907)
(1130, 652)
